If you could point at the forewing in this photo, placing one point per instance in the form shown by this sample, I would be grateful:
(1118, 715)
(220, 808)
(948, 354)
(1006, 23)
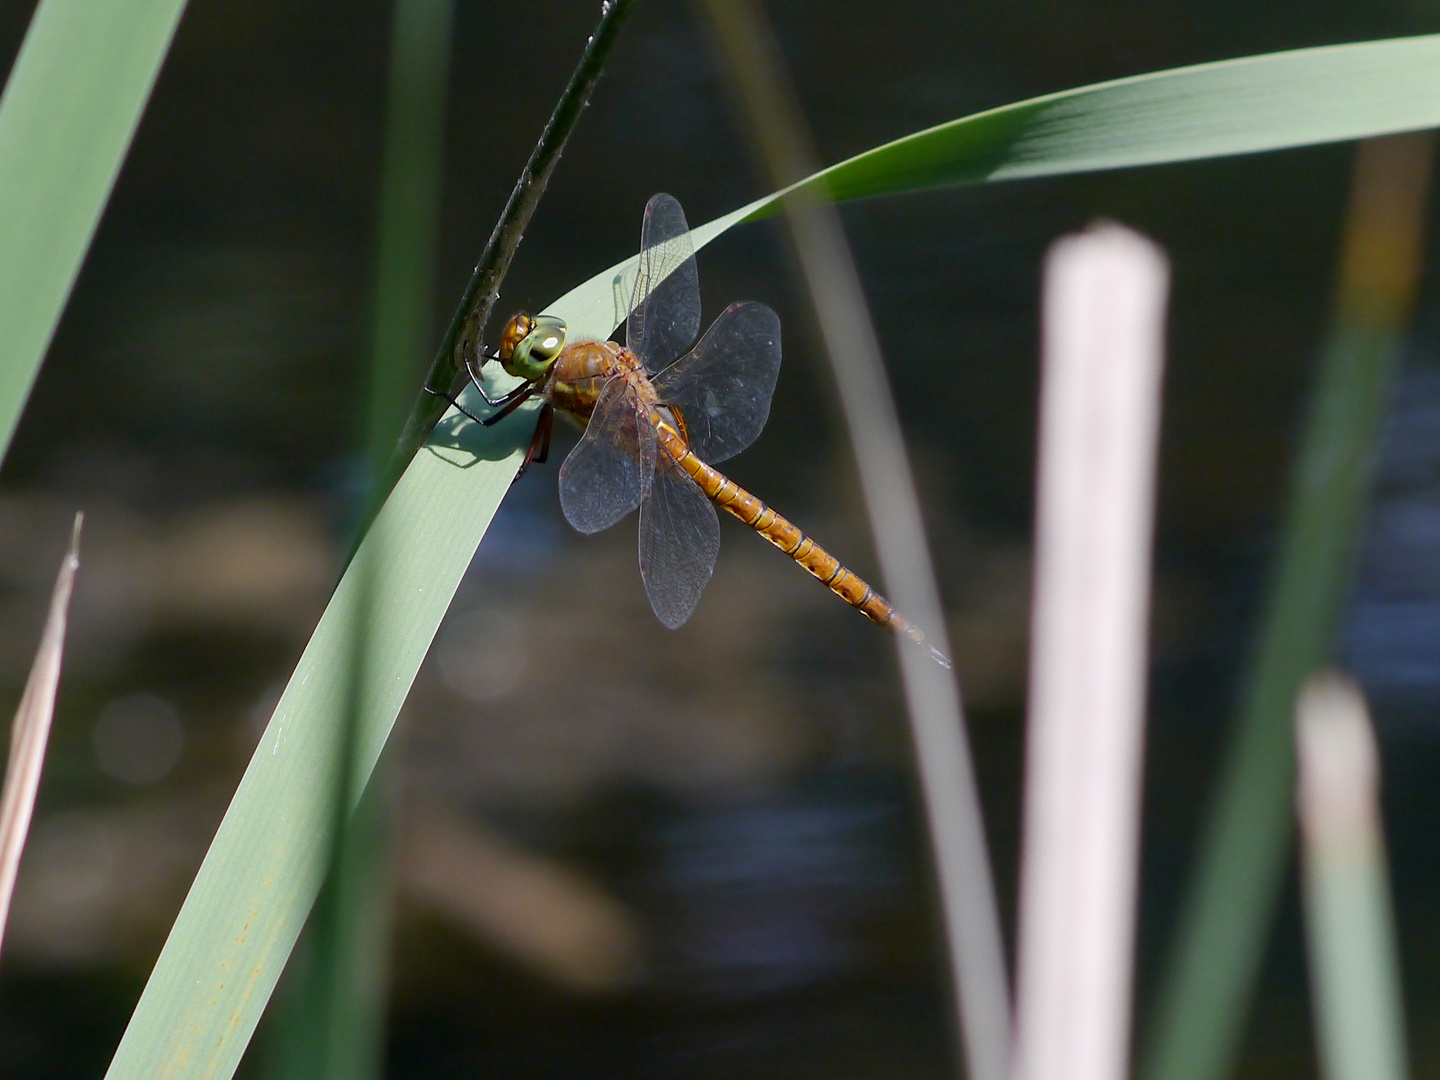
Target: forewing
(609, 471)
(679, 540)
(723, 386)
(665, 309)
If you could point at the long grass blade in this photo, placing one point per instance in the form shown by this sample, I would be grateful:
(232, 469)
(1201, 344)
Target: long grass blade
(1245, 843)
(265, 864)
(937, 722)
(30, 730)
(1304, 97)
(1354, 964)
(1103, 351)
(69, 110)
(334, 1025)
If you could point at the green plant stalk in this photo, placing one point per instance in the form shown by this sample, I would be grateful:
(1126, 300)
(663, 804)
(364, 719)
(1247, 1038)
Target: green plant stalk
(69, 110)
(264, 867)
(1352, 951)
(409, 228)
(340, 1031)
(1245, 842)
(331, 1008)
(466, 333)
(1245, 847)
(350, 925)
(1349, 925)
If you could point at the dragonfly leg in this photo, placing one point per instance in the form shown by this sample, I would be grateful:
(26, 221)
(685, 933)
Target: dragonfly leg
(494, 403)
(506, 403)
(547, 425)
(539, 442)
(452, 401)
(510, 403)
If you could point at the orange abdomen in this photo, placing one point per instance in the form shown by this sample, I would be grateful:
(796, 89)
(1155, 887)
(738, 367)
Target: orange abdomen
(830, 571)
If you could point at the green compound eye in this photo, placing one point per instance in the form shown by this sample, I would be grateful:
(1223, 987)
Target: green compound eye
(538, 349)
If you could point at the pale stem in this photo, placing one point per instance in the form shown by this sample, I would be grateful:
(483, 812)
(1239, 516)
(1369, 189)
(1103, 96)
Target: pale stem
(1354, 968)
(30, 731)
(952, 800)
(1103, 348)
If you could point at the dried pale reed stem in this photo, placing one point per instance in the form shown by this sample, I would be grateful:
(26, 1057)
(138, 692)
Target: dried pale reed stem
(31, 729)
(1104, 315)
(952, 800)
(1354, 971)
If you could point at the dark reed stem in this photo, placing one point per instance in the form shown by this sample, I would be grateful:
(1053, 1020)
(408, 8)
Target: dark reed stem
(467, 328)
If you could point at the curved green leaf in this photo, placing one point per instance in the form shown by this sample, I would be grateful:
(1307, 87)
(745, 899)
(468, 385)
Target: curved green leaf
(263, 870)
(70, 108)
(1300, 98)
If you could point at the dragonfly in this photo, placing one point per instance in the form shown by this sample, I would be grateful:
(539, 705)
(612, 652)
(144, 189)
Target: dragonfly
(658, 415)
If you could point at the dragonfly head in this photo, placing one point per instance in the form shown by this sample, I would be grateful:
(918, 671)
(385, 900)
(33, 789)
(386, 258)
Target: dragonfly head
(529, 345)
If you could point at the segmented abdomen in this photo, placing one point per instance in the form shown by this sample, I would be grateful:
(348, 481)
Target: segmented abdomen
(788, 537)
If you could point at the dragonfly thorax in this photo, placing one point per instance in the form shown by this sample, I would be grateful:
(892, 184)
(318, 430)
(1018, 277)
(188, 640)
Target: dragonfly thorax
(529, 346)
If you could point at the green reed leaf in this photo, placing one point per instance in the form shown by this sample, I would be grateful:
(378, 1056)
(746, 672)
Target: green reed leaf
(1299, 98)
(69, 110)
(264, 868)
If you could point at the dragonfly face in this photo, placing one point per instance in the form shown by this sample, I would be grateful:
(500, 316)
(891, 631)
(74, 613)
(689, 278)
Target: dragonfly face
(529, 346)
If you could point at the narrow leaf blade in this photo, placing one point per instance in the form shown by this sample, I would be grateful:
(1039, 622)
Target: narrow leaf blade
(1304, 97)
(68, 113)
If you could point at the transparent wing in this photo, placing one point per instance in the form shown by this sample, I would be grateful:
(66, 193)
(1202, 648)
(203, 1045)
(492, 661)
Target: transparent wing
(723, 386)
(679, 540)
(665, 309)
(609, 471)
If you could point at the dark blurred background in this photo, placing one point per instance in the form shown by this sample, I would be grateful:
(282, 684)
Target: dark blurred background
(612, 863)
